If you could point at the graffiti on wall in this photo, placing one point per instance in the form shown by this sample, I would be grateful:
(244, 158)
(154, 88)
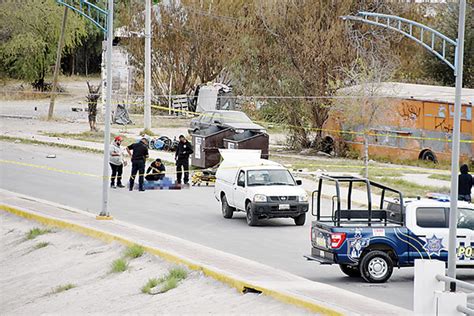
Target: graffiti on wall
(409, 111)
(444, 126)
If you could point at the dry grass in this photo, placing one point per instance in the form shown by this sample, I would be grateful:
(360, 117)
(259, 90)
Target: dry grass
(62, 288)
(167, 282)
(444, 177)
(42, 244)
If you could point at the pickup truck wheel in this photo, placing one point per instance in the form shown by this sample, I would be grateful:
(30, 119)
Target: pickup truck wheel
(227, 211)
(252, 220)
(351, 271)
(376, 267)
(300, 219)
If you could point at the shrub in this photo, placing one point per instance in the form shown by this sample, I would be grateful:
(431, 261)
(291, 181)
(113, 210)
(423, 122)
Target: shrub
(35, 232)
(119, 265)
(134, 251)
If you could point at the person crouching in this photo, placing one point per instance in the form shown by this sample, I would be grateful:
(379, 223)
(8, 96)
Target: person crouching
(156, 171)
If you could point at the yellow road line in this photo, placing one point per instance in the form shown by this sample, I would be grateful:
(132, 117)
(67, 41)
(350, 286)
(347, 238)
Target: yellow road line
(71, 172)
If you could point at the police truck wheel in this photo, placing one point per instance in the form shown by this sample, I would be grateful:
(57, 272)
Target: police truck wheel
(252, 220)
(351, 271)
(376, 267)
(227, 211)
(300, 219)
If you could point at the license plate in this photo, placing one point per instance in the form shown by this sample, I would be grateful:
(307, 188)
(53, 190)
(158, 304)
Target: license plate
(320, 241)
(284, 206)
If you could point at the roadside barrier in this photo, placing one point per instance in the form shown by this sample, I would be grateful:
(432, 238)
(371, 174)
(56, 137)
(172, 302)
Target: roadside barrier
(430, 295)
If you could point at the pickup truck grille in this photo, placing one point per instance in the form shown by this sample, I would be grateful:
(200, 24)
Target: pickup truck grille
(293, 208)
(282, 198)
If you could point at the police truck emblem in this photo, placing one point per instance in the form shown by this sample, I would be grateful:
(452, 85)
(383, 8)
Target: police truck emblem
(434, 245)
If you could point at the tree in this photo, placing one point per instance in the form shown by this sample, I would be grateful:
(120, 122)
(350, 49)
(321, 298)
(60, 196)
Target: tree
(29, 35)
(446, 21)
(188, 43)
(363, 106)
(295, 48)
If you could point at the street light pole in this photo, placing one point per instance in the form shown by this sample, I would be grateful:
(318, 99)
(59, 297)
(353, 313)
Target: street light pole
(105, 175)
(147, 107)
(453, 213)
(407, 27)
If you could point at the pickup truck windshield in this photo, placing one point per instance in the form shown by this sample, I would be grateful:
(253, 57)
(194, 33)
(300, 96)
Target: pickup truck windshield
(269, 177)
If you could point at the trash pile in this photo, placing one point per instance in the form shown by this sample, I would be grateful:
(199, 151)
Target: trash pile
(121, 115)
(163, 143)
(160, 143)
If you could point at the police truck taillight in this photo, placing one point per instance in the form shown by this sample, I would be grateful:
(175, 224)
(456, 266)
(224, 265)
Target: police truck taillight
(337, 239)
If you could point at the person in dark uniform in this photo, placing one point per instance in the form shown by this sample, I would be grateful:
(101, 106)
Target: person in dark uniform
(182, 159)
(465, 184)
(139, 153)
(156, 171)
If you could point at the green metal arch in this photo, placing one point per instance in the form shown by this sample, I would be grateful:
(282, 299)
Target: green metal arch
(406, 27)
(90, 11)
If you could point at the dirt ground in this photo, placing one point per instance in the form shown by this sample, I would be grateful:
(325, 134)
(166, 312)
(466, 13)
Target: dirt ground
(29, 276)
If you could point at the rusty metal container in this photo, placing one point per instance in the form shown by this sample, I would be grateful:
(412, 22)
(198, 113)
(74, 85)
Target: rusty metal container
(206, 144)
(249, 140)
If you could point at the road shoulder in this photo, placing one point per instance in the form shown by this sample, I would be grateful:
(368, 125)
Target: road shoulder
(235, 271)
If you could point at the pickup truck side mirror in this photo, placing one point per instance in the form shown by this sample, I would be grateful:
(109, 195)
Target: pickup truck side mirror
(241, 184)
(299, 182)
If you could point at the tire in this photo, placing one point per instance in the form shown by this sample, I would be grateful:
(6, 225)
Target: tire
(376, 267)
(300, 219)
(227, 211)
(351, 271)
(252, 220)
(429, 156)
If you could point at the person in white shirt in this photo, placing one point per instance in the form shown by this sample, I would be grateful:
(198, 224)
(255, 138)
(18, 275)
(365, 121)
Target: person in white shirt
(116, 163)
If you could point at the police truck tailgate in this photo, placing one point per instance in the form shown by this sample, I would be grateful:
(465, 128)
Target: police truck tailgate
(322, 239)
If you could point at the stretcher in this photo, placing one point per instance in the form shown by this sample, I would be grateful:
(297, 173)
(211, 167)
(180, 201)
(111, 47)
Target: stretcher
(203, 176)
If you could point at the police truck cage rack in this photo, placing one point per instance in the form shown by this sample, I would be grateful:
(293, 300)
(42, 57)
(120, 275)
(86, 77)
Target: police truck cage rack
(392, 214)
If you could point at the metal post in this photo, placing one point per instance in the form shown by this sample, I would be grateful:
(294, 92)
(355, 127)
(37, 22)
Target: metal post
(169, 100)
(105, 178)
(453, 214)
(57, 66)
(147, 107)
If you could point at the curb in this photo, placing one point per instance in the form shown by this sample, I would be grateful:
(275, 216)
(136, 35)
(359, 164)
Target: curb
(236, 283)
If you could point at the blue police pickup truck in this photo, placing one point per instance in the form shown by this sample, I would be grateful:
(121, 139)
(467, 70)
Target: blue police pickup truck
(390, 232)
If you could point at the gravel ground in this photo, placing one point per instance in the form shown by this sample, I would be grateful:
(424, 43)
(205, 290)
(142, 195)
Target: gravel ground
(29, 276)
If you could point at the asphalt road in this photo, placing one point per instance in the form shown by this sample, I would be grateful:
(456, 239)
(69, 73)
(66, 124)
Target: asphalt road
(191, 214)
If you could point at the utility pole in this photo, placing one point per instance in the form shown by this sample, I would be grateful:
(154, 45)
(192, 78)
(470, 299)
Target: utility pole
(57, 66)
(105, 178)
(453, 213)
(147, 107)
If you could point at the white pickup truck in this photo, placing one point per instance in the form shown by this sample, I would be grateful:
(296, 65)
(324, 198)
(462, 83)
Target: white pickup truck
(259, 187)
